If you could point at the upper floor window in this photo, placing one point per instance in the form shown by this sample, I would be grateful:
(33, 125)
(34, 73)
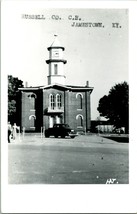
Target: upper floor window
(52, 101)
(79, 97)
(58, 101)
(32, 95)
(55, 69)
(55, 101)
(32, 99)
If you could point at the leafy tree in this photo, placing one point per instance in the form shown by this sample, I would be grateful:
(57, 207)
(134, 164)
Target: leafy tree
(13, 85)
(115, 106)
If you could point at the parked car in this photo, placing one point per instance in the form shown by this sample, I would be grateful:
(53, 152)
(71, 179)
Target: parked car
(61, 130)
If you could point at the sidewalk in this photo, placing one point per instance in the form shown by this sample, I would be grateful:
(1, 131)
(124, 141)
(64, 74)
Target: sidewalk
(79, 141)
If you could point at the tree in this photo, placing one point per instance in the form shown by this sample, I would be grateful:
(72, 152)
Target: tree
(115, 106)
(13, 85)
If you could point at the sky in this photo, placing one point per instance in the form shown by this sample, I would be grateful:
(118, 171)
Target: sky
(96, 54)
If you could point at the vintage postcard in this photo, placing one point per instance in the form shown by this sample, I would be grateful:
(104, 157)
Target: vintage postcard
(68, 107)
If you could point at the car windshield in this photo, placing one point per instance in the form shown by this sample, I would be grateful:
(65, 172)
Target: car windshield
(64, 125)
(61, 125)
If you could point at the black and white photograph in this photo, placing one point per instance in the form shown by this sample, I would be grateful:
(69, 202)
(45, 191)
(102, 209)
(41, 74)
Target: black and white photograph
(67, 118)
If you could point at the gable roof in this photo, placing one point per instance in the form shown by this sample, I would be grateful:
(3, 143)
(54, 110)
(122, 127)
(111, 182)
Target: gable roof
(68, 87)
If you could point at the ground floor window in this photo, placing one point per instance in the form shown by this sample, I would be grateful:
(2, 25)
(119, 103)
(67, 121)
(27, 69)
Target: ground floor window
(79, 119)
(32, 119)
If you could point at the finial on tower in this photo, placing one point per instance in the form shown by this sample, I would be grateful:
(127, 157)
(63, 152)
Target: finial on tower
(55, 34)
(56, 43)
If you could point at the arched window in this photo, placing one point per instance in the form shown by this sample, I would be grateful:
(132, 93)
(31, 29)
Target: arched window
(32, 95)
(58, 101)
(79, 119)
(52, 101)
(32, 117)
(79, 97)
(32, 98)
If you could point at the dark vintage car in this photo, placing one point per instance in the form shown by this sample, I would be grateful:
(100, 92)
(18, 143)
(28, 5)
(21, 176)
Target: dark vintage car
(61, 130)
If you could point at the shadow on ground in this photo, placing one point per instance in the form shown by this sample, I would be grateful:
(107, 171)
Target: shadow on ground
(118, 138)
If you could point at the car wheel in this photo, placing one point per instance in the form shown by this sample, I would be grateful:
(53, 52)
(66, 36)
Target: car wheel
(72, 136)
(46, 135)
(62, 136)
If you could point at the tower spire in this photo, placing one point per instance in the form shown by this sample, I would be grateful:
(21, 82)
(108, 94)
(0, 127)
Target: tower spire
(56, 42)
(56, 62)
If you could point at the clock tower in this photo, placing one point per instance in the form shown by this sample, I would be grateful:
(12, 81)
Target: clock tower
(56, 63)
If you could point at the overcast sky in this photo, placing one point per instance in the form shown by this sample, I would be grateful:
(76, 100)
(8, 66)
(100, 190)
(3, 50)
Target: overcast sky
(96, 54)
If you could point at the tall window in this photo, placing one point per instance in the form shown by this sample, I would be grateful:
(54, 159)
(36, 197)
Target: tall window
(52, 101)
(32, 119)
(79, 101)
(32, 98)
(58, 101)
(79, 120)
(55, 69)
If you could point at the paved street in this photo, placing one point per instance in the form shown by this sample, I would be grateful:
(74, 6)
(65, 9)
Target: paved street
(86, 159)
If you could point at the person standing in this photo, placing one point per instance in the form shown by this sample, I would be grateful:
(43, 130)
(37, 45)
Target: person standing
(9, 132)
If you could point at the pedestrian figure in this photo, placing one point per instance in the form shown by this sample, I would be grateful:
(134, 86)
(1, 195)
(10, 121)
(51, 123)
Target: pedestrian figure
(15, 129)
(9, 132)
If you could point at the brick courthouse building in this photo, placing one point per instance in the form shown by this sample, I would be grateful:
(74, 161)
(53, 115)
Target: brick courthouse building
(43, 106)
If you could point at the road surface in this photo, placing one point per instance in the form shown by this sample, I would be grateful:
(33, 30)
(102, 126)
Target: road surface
(87, 159)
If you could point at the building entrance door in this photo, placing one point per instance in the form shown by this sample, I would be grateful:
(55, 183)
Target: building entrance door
(51, 121)
(58, 119)
(54, 120)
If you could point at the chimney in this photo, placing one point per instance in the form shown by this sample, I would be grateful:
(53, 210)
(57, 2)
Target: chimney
(87, 83)
(26, 84)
